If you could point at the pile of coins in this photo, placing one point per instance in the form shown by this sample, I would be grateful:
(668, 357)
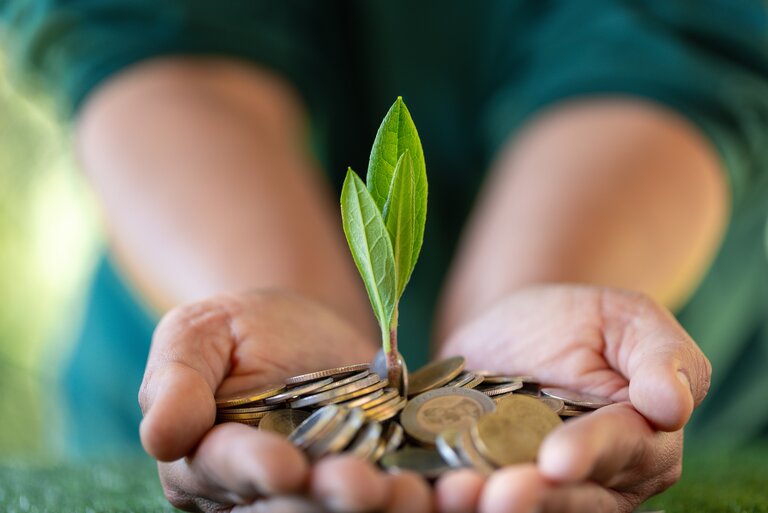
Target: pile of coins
(441, 417)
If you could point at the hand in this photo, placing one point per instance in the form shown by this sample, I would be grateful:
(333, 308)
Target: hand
(607, 342)
(237, 342)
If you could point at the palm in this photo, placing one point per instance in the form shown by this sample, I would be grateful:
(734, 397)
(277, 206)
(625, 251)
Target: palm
(553, 333)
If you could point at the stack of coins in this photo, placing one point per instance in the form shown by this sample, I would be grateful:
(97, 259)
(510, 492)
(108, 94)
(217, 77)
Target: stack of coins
(440, 417)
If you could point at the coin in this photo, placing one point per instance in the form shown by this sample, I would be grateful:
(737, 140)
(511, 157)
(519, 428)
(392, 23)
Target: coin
(283, 421)
(248, 396)
(461, 380)
(361, 402)
(426, 415)
(498, 379)
(314, 376)
(338, 438)
(393, 437)
(424, 462)
(344, 381)
(298, 391)
(323, 419)
(556, 405)
(506, 388)
(515, 431)
(446, 443)
(475, 382)
(366, 441)
(469, 453)
(317, 398)
(571, 397)
(238, 417)
(434, 375)
(354, 394)
(386, 412)
(379, 366)
(387, 395)
(249, 409)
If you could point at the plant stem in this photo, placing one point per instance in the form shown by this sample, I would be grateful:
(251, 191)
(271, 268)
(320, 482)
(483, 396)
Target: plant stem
(394, 370)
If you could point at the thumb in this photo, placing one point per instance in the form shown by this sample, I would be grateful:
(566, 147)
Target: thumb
(668, 374)
(188, 360)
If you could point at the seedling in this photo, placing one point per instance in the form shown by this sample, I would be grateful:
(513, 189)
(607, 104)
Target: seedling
(384, 221)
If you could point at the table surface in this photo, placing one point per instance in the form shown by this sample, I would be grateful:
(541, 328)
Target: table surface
(714, 480)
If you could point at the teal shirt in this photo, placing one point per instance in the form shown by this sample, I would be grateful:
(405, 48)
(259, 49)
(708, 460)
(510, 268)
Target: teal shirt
(472, 74)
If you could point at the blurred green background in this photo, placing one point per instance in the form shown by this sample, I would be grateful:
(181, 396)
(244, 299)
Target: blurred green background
(48, 243)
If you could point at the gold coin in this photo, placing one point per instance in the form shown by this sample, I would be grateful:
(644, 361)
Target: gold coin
(336, 371)
(434, 375)
(283, 421)
(515, 431)
(248, 396)
(426, 415)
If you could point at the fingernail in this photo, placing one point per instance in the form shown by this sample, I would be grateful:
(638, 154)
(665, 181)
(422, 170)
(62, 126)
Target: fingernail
(683, 377)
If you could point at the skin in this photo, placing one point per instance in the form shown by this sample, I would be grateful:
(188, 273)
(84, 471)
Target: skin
(202, 173)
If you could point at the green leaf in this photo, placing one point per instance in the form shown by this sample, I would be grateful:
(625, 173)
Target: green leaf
(404, 219)
(371, 248)
(396, 134)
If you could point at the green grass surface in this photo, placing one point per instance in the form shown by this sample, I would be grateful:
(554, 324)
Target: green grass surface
(714, 481)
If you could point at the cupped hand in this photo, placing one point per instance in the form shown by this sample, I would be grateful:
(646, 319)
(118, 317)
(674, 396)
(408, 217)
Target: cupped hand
(607, 342)
(237, 342)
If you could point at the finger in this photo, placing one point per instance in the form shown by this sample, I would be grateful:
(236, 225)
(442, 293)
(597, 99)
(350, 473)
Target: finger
(668, 374)
(236, 464)
(613, 446)
(517, 489)
(348, 484)
(459, 491)
(189, 357)
(280, 505)
(584, 497)
(408, 493)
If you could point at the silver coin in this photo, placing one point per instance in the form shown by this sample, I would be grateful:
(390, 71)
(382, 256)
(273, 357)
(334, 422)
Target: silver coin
(379, 366)
(309, 431)
(467, 451)
(366, 441)
(338, 438)
(424, 462)
(360, 402)
(573, 398)
(298, 391)
(393, 437)
(336, 371)
(344, 381)
(556, 405)
(506, 388)
(430, 413)
(461, 380)
(446, 446)
(313, 399)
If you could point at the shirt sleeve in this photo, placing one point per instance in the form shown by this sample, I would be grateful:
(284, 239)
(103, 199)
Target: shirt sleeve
(706, 59)
(70, 46)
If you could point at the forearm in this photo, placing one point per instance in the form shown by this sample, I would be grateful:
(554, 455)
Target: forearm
(613, 193)
(206, 187)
